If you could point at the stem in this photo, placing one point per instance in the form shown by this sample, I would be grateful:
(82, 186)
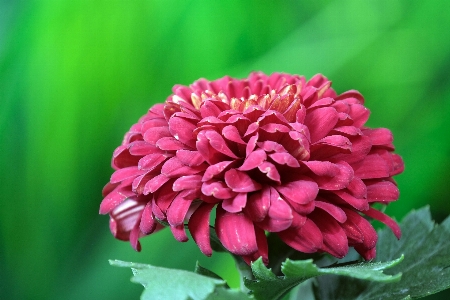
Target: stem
(244, 271)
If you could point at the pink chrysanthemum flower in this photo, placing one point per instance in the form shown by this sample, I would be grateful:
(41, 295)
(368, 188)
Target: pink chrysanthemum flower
(274, 154)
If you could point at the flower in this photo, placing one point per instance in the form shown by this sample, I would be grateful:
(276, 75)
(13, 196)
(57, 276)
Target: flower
(275, 154)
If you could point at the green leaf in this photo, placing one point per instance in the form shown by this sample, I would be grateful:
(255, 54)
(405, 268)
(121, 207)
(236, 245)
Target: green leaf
(425, 269)
(269, 286)
(163, 283)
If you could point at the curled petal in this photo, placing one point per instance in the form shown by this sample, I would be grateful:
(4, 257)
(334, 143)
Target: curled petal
(307, 239)
(334, 238)
(300, 191)
(182, 130)
(378, 215)
(217, 189)
(240, 182)
(199, 227)
(254, 160)
(320, 122)
(382, 191)
(235, 204)
(236, 232)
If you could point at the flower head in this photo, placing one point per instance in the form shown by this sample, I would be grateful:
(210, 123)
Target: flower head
(273, 153)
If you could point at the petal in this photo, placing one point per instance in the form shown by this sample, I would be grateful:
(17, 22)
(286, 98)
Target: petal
(182, 130)
(359, 229)
(115, 198)
(125, 173)
(255, 159)
(152, 135)
(188, 182)
(383, 191)
(177, 210)
(271, 171)
(359, 113)
(190, 158)
(234, 205)
(240, 182)
(380, 137)
(231, 133)
(330, 176)
(300, 191)
(378, 215)
(279, 217)
(151, 161)
(179, 233)
(236, 232)
(173, 167)
(170, 144)
(263, 248)
(216, 169)
(148, 222)
(134, 238)
(199, 227)
(336, 212)
(373, 166)
(217, 189)
(125, 217)
(358, 203)
(258, 204)
(320, 122)
(334, 238)
(155, 183)
(284, 158)
(307, 239)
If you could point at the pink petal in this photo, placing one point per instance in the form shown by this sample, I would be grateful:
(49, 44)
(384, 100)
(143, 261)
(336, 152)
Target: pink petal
(373, 166)
(148, 222)
(152, 135)
(151, 161)
(190, 158)
(331, 176)
(334, 238)
(251, 145)
(182, 130)
(380, 137)
(357, 188)
(155, 183)
(240, 182)
(358, 203)
(378, 215)
(398, 165)
(115, 198)
(141, 148)
(258, 204)
(336, 212)
(217, 189)
(255, 159)
(231, 133)
(236, 232)
(358, 228)
(134, 238)
(122, 158)
(234, 205)
(307, 239)
(125, 217)
(174, 167)
(285, 159)
(271, 171)
(199, 227)
(179, 233)
(187, 182)
(383, 191)
(125, 173)
(263, 248)
(217, 142)
(177, 210)
(320, 122)
(279, 215)
(359, 113)
(216, 169)
(170, 144)
(300, 191)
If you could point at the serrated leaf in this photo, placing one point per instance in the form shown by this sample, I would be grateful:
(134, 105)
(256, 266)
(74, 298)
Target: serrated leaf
(426, 267)
(163, 283)
(268, 286)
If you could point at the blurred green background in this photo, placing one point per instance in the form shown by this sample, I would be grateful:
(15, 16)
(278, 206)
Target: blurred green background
(75, 75)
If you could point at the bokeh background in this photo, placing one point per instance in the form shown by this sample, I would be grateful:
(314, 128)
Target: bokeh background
(75, 75)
